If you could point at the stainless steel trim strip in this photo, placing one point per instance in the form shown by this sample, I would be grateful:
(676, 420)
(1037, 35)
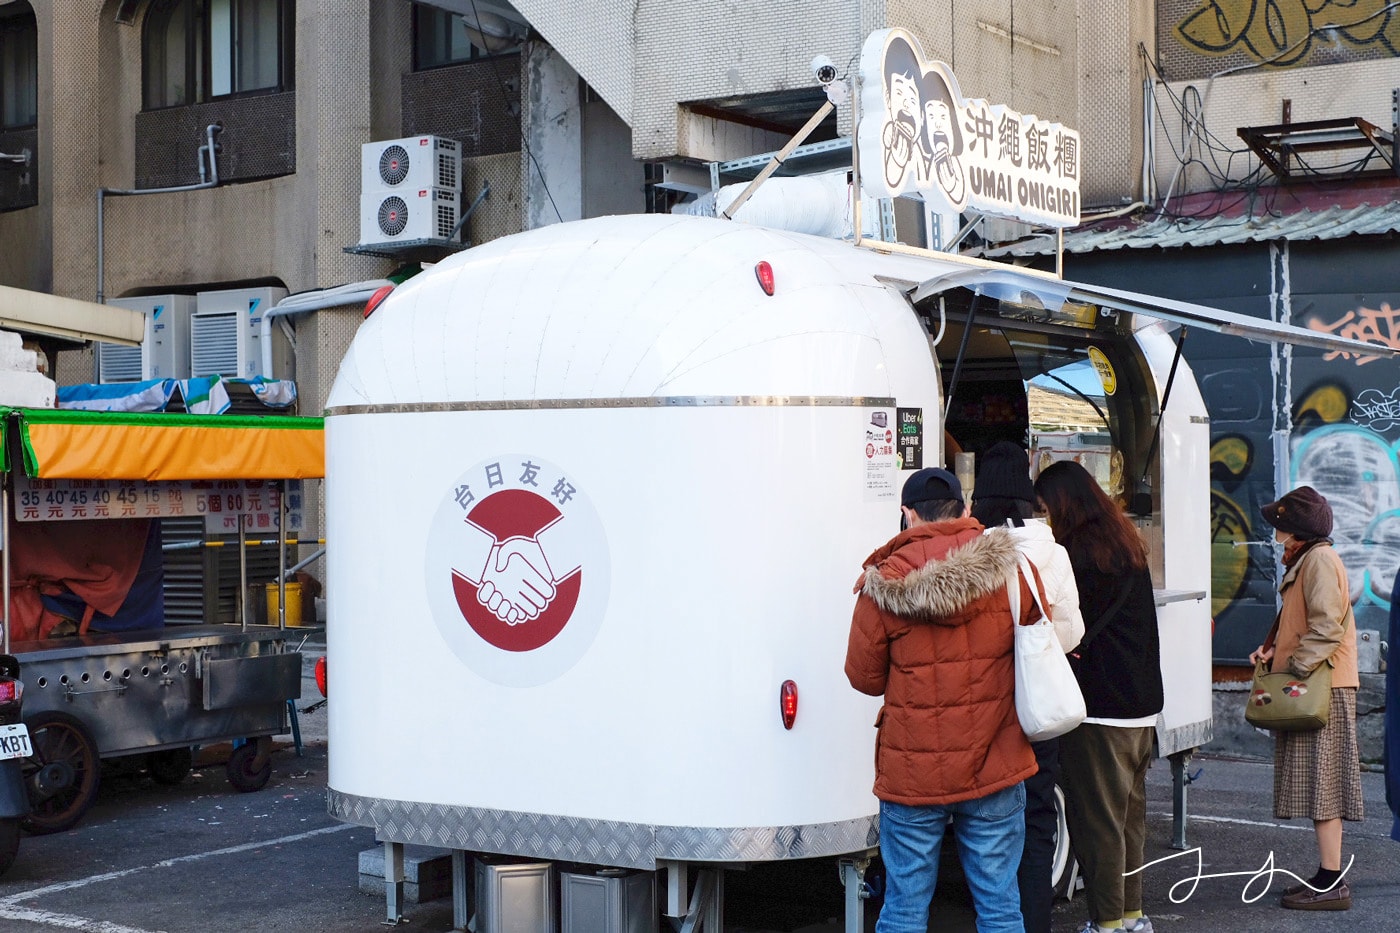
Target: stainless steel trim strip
(594, 842)
(1191, 735)
(668, 401)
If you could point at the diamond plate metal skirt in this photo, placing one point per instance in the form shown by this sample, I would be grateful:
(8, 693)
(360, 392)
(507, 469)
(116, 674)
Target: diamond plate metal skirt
(595, 842)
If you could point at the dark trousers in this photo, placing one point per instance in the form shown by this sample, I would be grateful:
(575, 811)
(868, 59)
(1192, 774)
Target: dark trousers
(1038, 857)
(1105, 770)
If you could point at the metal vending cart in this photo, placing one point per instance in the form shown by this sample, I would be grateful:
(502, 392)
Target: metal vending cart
(105, 675)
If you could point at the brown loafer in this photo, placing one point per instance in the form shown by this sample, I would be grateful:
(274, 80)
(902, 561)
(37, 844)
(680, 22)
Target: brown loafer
(1336, 898)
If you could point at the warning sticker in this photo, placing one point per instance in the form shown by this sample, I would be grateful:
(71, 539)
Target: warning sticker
(879, 454)
(1105, 370)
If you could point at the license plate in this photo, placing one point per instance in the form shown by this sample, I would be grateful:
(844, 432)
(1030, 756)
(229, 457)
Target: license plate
(14, 742)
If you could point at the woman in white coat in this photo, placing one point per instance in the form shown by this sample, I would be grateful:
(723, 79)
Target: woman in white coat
(1004, 495)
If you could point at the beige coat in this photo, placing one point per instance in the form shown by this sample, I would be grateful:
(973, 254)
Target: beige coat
(1316, 603)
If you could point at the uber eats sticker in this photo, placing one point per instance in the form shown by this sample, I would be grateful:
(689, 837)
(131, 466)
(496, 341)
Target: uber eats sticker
(517, 569)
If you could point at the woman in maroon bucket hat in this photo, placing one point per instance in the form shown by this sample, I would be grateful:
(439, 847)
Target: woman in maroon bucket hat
(1317, 775)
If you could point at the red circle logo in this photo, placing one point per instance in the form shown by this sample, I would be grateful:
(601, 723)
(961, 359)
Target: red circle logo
(510, 514)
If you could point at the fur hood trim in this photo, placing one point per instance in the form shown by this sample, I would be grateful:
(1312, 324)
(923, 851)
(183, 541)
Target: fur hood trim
(942, 588)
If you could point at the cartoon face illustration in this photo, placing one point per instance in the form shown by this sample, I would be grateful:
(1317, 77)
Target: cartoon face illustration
(904, 110)
(903, 97)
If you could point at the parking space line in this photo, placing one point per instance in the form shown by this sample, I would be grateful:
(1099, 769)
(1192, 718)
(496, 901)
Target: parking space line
(11, 907)
(1191, 818)
(65, 921)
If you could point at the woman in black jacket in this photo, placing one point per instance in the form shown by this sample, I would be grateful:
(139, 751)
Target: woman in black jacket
(1118, 666)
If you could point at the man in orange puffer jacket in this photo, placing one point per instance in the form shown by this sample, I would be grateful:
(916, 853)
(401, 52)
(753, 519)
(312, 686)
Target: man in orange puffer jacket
(932, 633)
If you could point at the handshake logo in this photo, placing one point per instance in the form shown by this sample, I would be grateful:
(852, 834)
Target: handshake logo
(517, 569)
(516, 584)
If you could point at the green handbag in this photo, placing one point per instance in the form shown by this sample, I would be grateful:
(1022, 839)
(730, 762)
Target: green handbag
(1286, 702)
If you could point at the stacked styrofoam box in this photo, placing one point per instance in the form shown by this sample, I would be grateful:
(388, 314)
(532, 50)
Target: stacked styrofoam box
(21, 383)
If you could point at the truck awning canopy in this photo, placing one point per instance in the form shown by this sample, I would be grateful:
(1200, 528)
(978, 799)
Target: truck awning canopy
(56, 316)
(1035, 288)
(64, 444)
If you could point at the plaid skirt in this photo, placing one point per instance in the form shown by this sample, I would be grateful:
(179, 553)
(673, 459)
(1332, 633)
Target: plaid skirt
(1317, 775)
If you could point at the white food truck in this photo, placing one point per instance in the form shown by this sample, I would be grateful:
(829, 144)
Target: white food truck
(597, 494)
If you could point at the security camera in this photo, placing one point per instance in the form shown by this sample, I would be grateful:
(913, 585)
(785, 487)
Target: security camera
(824, 69)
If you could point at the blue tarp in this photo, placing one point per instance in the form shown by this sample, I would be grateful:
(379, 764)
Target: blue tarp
(205, 395)
(144, 606)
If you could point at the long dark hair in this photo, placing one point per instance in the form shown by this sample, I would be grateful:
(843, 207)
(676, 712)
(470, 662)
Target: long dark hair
(1086, 521)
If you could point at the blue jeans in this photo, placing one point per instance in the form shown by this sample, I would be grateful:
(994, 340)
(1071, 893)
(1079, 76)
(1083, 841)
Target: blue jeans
(990, 832)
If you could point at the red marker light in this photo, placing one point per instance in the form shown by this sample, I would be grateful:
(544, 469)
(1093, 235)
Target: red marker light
(10, 690)
(765, 277)
(787, 701)
(377, 299)
(321, 675)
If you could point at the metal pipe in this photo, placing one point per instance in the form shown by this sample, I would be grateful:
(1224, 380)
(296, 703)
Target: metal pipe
(210, 146)
(777, 161)
(243, 571)
(5, 486)
(302, 302)
(282, 557)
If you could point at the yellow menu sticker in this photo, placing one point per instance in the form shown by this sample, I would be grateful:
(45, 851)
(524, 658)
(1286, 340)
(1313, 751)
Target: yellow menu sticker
(1105, 370)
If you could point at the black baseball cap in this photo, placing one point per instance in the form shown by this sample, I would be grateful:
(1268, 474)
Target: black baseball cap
(930, 484)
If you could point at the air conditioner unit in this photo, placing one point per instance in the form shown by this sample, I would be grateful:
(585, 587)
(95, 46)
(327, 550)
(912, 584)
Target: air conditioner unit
(226, 334)
(165, 351)
(422, 214)
(410, 164)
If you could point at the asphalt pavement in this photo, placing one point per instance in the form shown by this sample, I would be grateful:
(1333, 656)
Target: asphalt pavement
(201, 857)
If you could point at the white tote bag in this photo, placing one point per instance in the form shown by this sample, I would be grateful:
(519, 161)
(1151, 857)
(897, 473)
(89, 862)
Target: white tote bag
(1048, 700)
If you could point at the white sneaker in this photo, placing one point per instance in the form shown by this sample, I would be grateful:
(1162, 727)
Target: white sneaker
(1092, 927)
(1138, 925)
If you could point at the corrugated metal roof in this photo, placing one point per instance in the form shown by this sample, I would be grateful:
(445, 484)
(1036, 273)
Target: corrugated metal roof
(1167, 232)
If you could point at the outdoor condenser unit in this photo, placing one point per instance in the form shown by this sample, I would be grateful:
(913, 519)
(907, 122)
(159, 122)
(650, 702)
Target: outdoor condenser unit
(164, 352)
(226, 334)
(421, 214)
(410, 164)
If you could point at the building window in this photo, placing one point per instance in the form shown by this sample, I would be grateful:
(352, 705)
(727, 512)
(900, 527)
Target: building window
(199, 50)
(19, 70)
(439, 38)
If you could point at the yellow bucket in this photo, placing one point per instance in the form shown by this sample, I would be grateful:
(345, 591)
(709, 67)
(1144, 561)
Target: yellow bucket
(293, 603)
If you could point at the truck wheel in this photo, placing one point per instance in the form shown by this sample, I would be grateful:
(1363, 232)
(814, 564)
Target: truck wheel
(241, 773)
(169, 766)
(1064, 868)
(63, 774)
(9, 842)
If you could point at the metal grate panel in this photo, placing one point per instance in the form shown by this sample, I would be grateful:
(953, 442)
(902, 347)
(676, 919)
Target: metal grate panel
(214, 344)
(118, 364)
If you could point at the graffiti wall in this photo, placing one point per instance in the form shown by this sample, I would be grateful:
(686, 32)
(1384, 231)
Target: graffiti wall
(1284, 418)
(1196, 38)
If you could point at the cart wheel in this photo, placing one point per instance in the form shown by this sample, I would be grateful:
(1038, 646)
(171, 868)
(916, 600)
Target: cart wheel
(63, 774)
(9, 842)
(240, 769)
(169, 766)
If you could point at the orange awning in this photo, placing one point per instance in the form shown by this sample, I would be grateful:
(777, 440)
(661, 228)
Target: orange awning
(68, 444)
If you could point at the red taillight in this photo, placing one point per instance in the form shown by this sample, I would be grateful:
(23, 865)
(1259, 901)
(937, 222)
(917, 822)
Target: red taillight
(11, 691)
(321, 675)
(787, 702)
(765, 277)
(377, 299)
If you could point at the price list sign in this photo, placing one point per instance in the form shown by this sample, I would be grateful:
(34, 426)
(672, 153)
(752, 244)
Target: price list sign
(222, 503)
